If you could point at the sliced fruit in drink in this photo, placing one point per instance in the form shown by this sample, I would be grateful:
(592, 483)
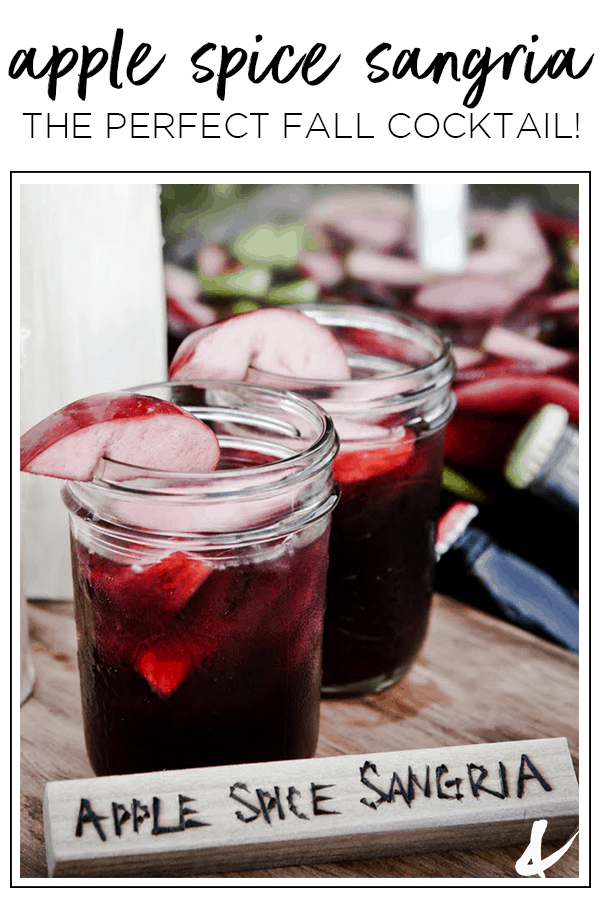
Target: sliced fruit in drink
(352, 466)
(163, 673)
(164, 586)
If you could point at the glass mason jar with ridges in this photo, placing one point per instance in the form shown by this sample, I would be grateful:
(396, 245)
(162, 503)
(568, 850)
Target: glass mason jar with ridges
(390, 417)
(199, 598)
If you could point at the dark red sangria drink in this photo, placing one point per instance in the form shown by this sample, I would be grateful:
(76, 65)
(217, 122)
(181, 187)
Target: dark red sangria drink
(381, 562)
(200, 598)
(390, 417)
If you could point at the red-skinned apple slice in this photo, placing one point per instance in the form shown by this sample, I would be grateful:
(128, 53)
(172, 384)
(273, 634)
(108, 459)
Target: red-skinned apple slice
(281, 341)
(162, 588)
(355, 466)
(131, 428)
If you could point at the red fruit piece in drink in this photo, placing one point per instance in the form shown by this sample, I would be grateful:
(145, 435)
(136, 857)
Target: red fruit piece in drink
(162, 671)
(165, 586)
(130, 428)
(279, 341)
(167, 659)
(352, 466)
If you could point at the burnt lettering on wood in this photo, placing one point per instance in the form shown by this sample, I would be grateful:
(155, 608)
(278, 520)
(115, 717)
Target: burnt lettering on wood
(183, 823)
(87, 814)
(523, 776)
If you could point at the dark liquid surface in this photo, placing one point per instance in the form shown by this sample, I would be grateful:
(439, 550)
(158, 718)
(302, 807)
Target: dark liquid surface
(379, 582)
(230, 674)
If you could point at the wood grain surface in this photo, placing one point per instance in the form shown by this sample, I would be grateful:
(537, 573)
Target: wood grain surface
(477, 680)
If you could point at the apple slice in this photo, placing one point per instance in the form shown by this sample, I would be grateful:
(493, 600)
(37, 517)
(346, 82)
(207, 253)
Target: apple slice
(467, 295)
(281, 341)
(163, 587)
(164, 669)
(371, 218)
(510, 344)
(130, 428)
(355, 466)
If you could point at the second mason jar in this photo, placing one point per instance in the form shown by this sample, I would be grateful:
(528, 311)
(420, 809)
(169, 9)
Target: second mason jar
(199, 598)
(391, 419)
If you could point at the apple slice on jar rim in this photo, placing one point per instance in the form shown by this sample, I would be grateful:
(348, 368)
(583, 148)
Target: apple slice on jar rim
(132, 428)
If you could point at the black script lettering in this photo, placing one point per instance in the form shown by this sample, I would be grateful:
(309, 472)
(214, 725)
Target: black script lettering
(370, 57)
(140, 55)
(233, 61)
(476, 67)
(86, 71)
(314, 56)
(91, 62)
(438, 65)
(402, 68)
(200, 79)
(60, 63)
(115, 60)
(273, 66)
(229, 57)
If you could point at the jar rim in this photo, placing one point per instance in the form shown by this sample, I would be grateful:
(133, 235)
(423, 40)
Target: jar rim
(404, 387)
(315, 455)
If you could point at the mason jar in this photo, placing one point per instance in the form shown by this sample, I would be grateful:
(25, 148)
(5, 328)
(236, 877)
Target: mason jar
(199, 598)
(391, 418)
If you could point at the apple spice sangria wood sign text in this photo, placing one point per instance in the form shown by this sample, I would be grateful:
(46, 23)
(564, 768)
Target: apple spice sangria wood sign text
(196, 821)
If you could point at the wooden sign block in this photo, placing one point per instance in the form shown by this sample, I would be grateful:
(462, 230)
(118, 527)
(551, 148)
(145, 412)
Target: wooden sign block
(196, 821)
